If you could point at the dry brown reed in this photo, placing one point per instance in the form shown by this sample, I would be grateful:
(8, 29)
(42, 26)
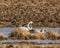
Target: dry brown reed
(3, 37)
(53, 35)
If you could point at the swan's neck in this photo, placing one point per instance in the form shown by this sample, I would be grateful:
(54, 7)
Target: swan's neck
(29, 26)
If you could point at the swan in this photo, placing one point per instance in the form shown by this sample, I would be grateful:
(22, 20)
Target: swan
(27, 26)
(38, 31)
(43, 30)
(30, 29)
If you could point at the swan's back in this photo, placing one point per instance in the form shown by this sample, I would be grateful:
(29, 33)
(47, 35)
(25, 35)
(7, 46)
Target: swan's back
(24, 28)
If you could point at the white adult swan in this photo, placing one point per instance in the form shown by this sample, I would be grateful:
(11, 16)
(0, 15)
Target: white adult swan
(26, 27)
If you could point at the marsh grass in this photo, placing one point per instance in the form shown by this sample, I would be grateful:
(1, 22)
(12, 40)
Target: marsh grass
(3, 37)
(25, 35)
(28, 45)
(44, 13)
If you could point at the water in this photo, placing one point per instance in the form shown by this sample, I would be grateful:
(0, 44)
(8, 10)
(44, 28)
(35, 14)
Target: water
(35, 41)
(7, 31)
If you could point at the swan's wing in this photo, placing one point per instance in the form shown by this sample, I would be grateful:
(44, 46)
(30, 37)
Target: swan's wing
(24, 28)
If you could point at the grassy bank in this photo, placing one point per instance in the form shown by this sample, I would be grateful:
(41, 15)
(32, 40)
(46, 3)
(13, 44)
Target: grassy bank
(44, 13)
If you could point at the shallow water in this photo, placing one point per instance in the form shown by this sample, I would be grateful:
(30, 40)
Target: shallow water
(6, 31)
(35, 41)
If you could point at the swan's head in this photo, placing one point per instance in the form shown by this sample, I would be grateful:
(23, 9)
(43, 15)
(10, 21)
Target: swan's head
(29, 25)
(31, 22)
